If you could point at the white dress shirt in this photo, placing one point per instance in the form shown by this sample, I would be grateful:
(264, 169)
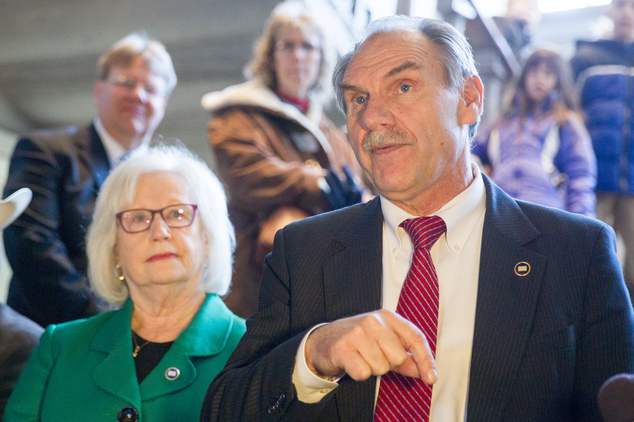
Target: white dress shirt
(114, 150)
(456, 256)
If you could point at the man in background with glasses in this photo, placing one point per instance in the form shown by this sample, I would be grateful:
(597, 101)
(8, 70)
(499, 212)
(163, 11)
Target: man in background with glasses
(65, 169)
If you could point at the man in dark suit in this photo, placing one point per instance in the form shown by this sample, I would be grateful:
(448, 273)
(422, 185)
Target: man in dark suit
(65, 169)
(18, 334)
(531, 311)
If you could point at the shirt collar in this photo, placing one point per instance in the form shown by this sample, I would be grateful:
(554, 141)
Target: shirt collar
(460, 216)
(114, 150)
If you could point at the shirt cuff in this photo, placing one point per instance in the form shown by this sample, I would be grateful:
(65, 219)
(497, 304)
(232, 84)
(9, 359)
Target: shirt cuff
(310, 387)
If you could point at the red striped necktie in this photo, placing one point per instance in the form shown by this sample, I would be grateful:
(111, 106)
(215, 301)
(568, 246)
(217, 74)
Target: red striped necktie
(403, 398)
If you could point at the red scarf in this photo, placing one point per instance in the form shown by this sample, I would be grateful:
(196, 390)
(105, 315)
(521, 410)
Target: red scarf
(301, 104)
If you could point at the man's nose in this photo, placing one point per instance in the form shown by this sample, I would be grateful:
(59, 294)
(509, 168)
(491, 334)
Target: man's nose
(140, 92)
(376, 116)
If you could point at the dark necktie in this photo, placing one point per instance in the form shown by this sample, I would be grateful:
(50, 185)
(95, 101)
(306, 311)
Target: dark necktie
(403, 398)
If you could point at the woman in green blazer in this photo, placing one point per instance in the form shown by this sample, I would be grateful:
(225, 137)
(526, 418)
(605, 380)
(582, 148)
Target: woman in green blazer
(160, 248)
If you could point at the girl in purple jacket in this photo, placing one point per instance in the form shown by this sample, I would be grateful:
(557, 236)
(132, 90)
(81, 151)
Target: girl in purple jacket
(539, 149)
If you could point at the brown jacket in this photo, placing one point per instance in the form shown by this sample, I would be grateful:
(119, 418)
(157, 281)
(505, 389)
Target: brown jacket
(270, 157)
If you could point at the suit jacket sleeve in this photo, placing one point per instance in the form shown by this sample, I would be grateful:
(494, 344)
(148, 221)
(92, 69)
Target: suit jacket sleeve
(256, 384)
(606, 340)
(25, 403)
(38, 255)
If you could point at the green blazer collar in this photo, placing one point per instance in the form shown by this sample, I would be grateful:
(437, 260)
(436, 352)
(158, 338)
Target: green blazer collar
(206, 335)
(209, 331)
(116, 373)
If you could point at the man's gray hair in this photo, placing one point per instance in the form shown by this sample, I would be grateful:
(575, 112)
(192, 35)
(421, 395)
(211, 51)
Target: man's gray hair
(123, 52)
(453, 51)
(117, 194)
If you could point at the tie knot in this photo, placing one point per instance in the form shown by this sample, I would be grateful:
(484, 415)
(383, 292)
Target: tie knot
(424, 231)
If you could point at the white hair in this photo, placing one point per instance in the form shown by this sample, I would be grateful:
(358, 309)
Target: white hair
(117, 194)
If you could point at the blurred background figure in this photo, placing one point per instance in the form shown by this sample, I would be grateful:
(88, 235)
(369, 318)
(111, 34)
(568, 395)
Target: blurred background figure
(65, 169)
(279, 155)
(519, 23)
(160, 247)
(605, 76)
(18, 334)
(539, 149)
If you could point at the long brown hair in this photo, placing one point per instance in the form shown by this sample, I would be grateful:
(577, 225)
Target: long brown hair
(566, 98)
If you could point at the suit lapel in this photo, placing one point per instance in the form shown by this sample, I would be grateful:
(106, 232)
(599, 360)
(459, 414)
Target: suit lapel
(97, 158)
(174, 372)
(508, 288)
(116, 373)
(352, 273)
(205, 336)
(352, 286)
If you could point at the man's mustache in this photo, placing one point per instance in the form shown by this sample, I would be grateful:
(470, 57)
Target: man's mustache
(374, 139)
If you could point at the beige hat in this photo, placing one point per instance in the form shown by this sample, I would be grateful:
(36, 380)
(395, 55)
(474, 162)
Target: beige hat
(13, 206)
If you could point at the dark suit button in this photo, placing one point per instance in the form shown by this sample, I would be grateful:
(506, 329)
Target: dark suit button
(128, 414)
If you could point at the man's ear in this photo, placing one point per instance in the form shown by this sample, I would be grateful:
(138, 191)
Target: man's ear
(473, 100)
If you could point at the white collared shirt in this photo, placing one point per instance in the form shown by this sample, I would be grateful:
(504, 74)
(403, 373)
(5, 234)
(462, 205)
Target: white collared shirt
(456, 256)
(114, 150)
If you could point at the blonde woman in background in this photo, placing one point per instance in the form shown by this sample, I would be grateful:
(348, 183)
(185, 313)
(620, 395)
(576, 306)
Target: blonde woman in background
(279, 155)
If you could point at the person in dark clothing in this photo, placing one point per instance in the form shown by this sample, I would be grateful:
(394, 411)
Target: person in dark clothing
(65, 169)
(604, 70)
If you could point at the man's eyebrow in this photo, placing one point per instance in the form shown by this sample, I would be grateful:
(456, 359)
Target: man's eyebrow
(403, 67)
(346, 87)
(400, 68)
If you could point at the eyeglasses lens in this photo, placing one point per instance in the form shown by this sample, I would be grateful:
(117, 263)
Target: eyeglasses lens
(178, 216)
